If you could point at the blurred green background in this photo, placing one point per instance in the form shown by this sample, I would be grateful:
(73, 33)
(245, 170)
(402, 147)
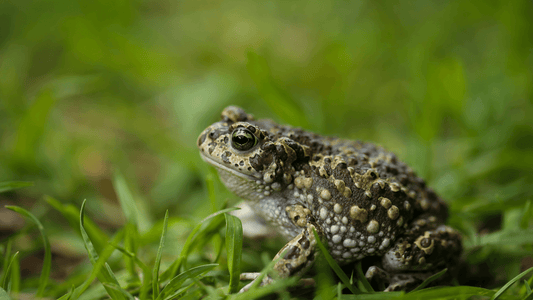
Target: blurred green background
(91, 87)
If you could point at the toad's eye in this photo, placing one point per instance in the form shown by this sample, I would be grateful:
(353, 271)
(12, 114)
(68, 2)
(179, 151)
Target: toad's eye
(243, 139)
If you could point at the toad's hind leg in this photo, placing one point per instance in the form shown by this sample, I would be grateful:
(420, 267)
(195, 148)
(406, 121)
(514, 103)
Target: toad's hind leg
(425, 249)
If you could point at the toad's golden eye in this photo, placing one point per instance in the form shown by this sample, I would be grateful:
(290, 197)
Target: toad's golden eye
(243, 139)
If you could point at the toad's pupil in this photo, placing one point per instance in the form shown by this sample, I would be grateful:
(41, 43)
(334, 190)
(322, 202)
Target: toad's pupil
(240, 139)
(243, 139)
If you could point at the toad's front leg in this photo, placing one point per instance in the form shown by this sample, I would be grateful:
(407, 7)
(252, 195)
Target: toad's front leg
(298, 255)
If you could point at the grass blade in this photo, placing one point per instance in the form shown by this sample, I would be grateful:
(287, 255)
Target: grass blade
(72, 214)
(7, 260)
(511, 282)
(47, 262)
(70, 293)
(14, 281)
(97, 268)
(128, 204)
(275, 286)
(234, 249)
(528, 297)
(4, 295)
(429, 280)
(335, 266)
(147, 272)
(189, 243)
(115, 285)
(362, 278)
(157, 264)
(529, 292)
(119, 289)
(451, 293)
(8, 271)
(131, 255)
(515, 237)
(180, 291)
(131, 238)
(103, 277)
(527, 215)
(177, 281)
(12, 185)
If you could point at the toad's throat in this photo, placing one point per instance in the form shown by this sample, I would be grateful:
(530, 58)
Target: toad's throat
(242, 185)
(222, 167)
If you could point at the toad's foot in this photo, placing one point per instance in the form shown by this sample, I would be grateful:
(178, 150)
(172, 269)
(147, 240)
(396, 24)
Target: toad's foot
(254, 276)
(396, 282)
(426, 248)
(268, 280)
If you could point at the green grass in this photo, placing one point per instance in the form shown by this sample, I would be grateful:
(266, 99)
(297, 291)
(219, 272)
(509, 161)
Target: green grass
(101, 103)
(191, 274)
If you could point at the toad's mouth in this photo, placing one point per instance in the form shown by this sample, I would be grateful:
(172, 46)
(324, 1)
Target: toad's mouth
(220, 166)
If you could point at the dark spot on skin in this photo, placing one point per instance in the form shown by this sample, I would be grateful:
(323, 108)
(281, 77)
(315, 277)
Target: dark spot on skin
(327, 160)
(249, 168)
(201, 140)
(211, 149)
(403, 179)
(373, 175)
(226, 139)
(241, 163)
(289, 268)
(308, 259)
(341, 166)
(224, 159)
(352, 161)
(425, 242)
(304, 243)
(258, 161)
(225, 156)
(292, 253)
(216, 133)
(328, 170)
(298, 149)
(255, 161)
(392, 169)
(280, 152)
